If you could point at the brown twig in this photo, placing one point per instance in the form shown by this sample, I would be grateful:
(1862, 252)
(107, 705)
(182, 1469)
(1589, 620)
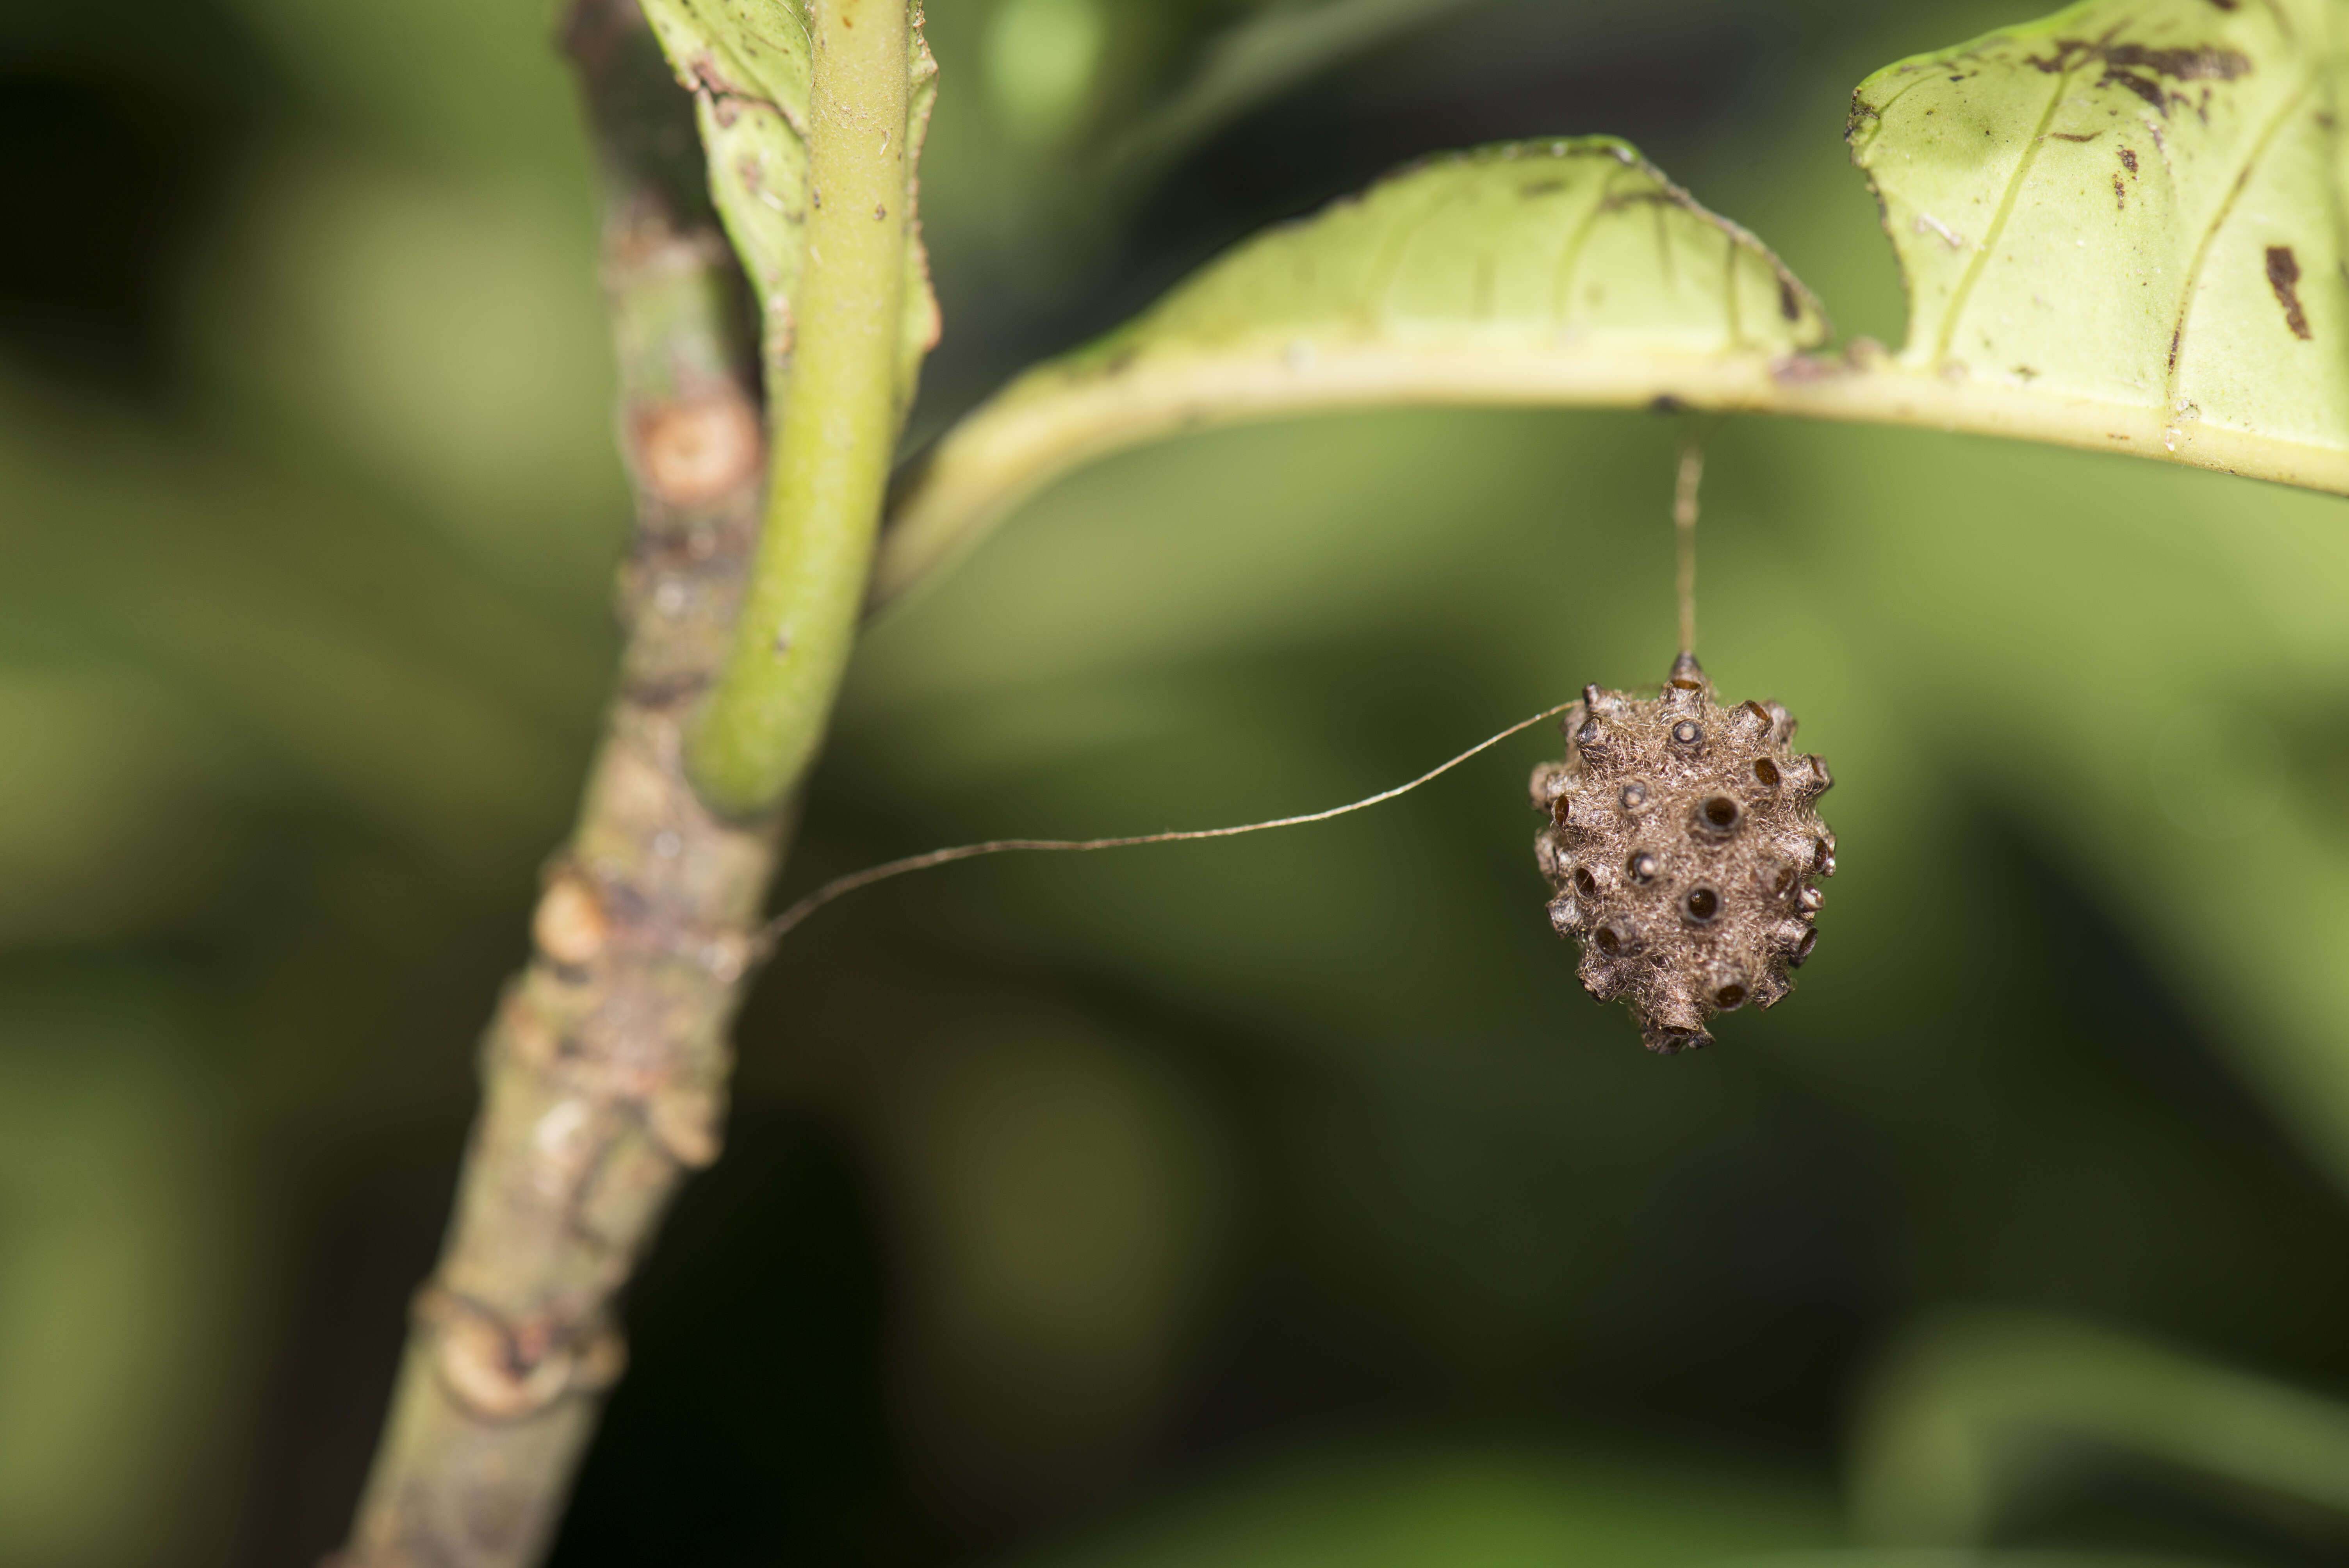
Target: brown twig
(604, 1072)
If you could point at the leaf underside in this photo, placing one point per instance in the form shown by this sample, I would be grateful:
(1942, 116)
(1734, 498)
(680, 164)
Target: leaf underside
(1555, 270)
(2135, 203)
(1578, 247)
(747, 64)
(2121, 227)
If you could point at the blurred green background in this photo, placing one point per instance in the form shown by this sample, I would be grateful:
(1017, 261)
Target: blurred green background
(1274, 1202)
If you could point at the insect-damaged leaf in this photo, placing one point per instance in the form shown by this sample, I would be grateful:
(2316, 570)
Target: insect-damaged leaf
(746, 62)
(1542, 272)
(2135, 203)
(2121, 229)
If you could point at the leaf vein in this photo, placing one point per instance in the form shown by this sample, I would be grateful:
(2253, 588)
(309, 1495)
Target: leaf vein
(1991, 237)
(1568, 270)
(2211, 232)
(1386, 271)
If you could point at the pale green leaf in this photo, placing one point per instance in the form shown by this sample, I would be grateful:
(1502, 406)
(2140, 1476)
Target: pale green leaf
(2121, 227)
(1555, 270)
(746, 62)
(2129, 204)
(1574, 248)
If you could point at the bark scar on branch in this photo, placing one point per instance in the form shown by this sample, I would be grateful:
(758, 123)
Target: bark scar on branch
(603, 1070)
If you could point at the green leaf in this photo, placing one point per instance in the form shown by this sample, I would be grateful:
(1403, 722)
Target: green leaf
(1960, 1417)
(1574, 250)
(2130, 204)
(1558, 270)
(746, 62)
(2121, 229)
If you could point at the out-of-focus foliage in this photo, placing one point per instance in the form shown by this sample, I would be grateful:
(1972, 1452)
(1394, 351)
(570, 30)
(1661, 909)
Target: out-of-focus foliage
(1480, 1506)
(1973, 1410)
(1268, 1200)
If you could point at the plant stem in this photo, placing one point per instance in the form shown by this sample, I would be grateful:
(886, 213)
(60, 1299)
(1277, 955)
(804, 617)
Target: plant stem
(604, 1069)
(834, 431)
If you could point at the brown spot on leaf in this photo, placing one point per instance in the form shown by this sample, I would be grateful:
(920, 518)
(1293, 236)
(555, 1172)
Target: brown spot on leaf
(2069, 52)
(2120, 193)
(1794, 369)
(1788, 305)
(2284, 275)
(2204, 62)
(709, 78)
(2139, 69)
(2145, 87)
(2074, 136)
(2129, 159)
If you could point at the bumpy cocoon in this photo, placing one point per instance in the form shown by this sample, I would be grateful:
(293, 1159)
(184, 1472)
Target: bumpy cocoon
(1684, 848)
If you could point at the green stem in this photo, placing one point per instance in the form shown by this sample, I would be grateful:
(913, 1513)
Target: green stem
(835, 428)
